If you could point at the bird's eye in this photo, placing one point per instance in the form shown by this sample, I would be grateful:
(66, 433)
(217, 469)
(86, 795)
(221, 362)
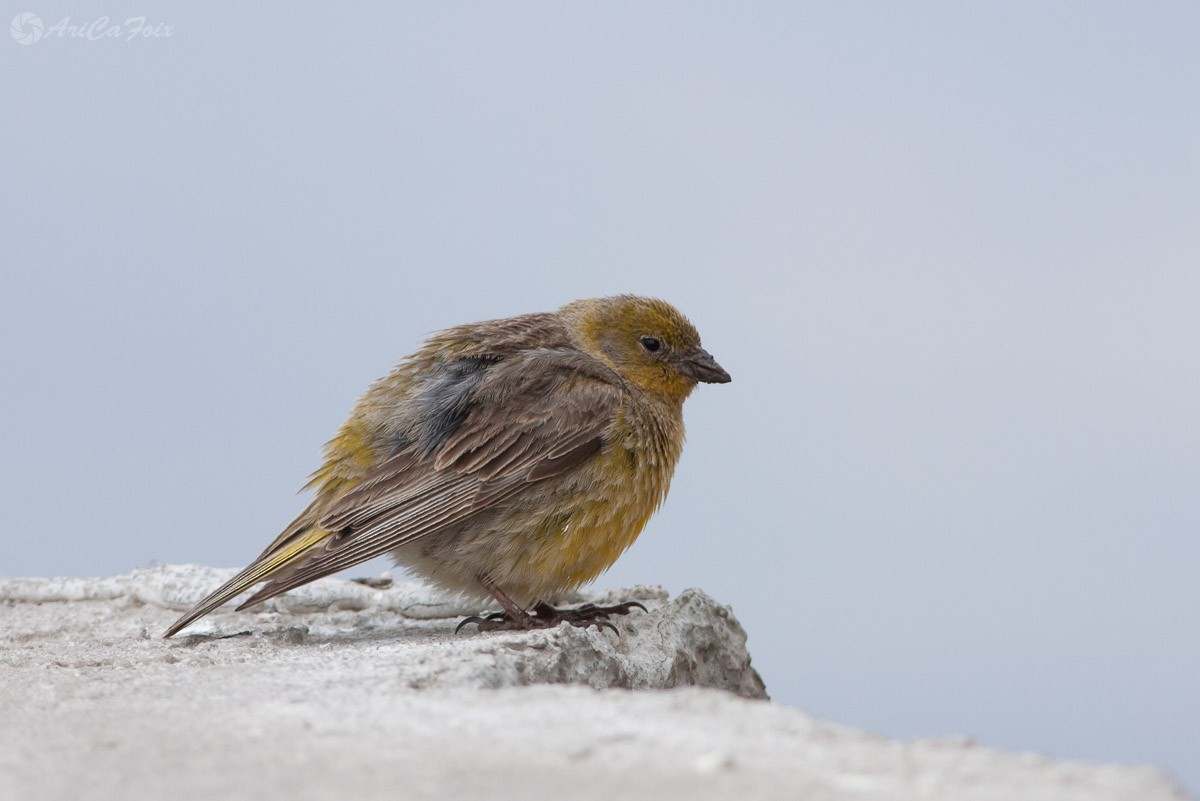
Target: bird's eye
(650, 343)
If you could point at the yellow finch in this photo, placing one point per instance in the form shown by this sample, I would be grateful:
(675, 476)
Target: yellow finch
(517, 458)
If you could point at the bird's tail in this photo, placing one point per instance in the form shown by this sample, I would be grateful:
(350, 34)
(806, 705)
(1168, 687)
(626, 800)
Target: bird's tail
(269, 564)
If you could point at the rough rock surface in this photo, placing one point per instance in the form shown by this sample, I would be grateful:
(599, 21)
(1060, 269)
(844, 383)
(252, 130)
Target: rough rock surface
(344, 690)
(405, 629)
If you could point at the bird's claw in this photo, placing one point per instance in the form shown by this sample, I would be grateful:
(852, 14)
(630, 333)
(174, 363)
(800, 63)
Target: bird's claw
(623, 608)
(466, 621)
(545, 616)
(482, 621)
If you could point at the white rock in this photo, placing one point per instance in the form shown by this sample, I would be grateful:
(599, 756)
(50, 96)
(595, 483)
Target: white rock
(339, 690)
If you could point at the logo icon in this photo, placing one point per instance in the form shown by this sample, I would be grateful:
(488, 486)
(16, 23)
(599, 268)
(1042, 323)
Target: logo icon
(27, 28)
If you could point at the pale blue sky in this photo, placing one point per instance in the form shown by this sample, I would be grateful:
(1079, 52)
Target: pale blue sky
(949, 252)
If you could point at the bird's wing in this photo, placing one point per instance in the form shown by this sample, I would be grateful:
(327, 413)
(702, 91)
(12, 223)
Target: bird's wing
(520, 426)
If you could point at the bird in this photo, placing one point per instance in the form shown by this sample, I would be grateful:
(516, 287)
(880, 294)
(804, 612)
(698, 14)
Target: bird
(512, 459)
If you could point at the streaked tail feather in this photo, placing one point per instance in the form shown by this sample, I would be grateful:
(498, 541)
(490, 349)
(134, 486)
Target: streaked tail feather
(266, 566)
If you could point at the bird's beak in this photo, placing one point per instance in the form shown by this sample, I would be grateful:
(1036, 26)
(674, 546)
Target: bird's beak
(700, 365)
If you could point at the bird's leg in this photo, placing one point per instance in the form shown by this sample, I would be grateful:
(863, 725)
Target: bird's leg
(513, 618)
(514, 612)
(544, 616)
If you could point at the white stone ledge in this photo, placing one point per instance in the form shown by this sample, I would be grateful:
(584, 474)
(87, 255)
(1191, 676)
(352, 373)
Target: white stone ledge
(339, 690)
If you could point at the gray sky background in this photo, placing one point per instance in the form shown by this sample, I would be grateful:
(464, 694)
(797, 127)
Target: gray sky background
(950, 254)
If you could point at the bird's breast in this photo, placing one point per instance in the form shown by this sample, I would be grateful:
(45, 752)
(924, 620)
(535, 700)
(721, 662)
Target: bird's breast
(612, 503)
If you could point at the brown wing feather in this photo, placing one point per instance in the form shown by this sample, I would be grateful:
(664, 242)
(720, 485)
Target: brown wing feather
(523, 425)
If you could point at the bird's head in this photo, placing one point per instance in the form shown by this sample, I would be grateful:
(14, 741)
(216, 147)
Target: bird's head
(648, 341)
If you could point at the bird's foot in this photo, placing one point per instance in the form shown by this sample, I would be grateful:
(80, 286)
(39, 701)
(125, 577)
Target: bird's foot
(545, 616)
